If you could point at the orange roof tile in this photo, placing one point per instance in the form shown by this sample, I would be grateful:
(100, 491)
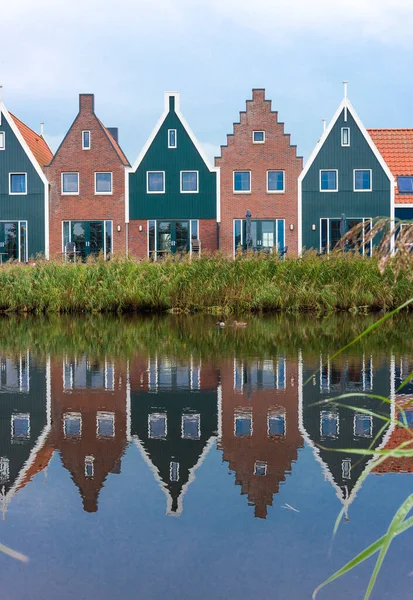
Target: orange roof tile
(36, 143)
(115, 144)
(42, 460)
(396, 148)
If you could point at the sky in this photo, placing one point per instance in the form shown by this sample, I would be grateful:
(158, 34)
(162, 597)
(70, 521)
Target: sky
(129, 52)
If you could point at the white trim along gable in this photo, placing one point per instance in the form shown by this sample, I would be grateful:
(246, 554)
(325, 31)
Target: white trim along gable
(346, 105)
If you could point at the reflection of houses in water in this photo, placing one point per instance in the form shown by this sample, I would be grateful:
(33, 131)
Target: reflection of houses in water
(173, 419)
(260, 436)
(89, 421)
(24, 422)
(329, 428)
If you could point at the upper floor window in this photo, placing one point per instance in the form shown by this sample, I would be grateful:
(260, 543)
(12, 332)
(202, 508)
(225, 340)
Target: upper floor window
(242, 181)
(189, 181)
(191, 427)
(405, 184)
(157, 426)
(103, 183)
(20, 426)
(105, 424)
(89, 466)
(243, 423)
(155, 182)
(329, 424)
(363, 425)
(2, 140)
(258, 137)
(260, 468)
(86, 140)
(18, 184)
(72, 424)
(275, 181)
(174, 471)
(362, 180)
(172, 142)
(70, 183)
(345, 136)
(328, 180)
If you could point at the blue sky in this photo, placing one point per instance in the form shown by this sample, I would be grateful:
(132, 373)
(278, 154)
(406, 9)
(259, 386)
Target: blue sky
(213, 52)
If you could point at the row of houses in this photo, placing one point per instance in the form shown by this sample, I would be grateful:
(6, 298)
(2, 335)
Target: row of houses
(257, 412)
(88, 198)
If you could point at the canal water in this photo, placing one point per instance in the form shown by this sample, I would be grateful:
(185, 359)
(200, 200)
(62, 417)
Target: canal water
(159, 457)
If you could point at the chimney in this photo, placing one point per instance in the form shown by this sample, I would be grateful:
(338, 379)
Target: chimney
(324, 124)
(114, 132)
(86, 103)
(1, 88)
(345, 88)
(42, 129)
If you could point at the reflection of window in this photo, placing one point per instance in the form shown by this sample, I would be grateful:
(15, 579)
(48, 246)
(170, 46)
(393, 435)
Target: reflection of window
(406, 419)
(72, 424)
(174, 471)
(105, 424)
(328, 424)
(281, 369)
(363, 425)
(89, 466)
(4, 469)
(168, 374)
(243, 423)
(14, 374)
(276, 421)
(86, 374)
(20, 426)
(157, 426)
(346, 468)
(260, 468)
(262, 374)
(191, 427)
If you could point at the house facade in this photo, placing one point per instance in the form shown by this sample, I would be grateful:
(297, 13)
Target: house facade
(345, 182)
(87, 188)
(24, 190)
(259, 171)
(173, 191)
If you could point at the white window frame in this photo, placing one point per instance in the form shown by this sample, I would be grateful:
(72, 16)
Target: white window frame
(63, 193)
(90, 460)
(342, 137)
(197, 183)
(364, 219)
(276, 412)
(4, 469)
(354, 180)
(190, 416)
(169, 139)
(173, 462)
(233, 182)
(101, 414)
(329, 171)
(346, 473)
(333, 416)
(25, 416)
(240, 413)
(254, 141)
(158, 415)
(72, 415)
(370, 419)
(25, 179)
(2, 137)
(261, 463)
(83, 139)
(276, 191)
(147, 182)
(111, 183)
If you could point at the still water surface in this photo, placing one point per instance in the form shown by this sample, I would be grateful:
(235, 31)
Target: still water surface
(163, 457)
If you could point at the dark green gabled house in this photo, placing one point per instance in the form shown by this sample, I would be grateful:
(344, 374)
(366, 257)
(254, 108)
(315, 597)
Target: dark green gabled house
(172, 191)
(24, 190)
(344, 183)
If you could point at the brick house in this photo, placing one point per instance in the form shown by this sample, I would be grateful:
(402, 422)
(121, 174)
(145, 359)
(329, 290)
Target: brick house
(87, 187)
(259, 173)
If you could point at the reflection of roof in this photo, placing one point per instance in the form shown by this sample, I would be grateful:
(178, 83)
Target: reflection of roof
(400, 435)
(115, 144)
(396, 147)
(41, 461)
(36, 142)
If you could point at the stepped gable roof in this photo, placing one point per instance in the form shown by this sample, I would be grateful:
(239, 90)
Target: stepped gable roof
(35, 141)
(396, 147)
(115, 144)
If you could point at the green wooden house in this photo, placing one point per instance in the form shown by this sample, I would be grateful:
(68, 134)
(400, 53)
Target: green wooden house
(172, 191)
(24, 190)
(344, 183)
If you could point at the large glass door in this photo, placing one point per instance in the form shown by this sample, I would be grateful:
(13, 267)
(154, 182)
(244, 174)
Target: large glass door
(89, 237)
(265, 235)
(79, 235)
(13, 241)
(330, 235)
(172, 237)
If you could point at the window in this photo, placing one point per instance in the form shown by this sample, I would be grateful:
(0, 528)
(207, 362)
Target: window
(258, 137)
(328, 180)
(86, 140)
(157, 426)
(172, 138)
(20, 426)
(70, 183)
(243, 424)
(4, 470)
(174, 471)
(103, 183)
(155, 182)
(191, 427)
(345, 136)
(362, 180)
(189, 181)
(72, 424)
(2, 140)
(242, 181)
(363, 425)
(260, 468)
(275, 181)
(89, 466)
(18, 183)
(346, 468)
(105, 424)
(328, 424)
(276, 422)
(405, 184)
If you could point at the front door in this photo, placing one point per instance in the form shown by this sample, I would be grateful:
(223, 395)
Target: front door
(13, 242)
(88, 237)
(173, 237)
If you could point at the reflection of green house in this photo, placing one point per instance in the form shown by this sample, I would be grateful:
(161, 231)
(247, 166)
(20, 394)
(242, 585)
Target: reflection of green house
(24, 419)
(329, 428)
(174, 425)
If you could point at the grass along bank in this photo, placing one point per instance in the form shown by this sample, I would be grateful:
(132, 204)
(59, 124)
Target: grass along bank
(251, 283)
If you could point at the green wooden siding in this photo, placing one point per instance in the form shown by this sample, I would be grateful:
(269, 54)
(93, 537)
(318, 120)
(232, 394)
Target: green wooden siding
(30, 207)
(172, 204)
(317, 205)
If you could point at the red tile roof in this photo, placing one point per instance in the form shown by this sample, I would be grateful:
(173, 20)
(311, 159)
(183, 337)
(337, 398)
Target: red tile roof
(396, 148)
(36, 143)
(116, 146)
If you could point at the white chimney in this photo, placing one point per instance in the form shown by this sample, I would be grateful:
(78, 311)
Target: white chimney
(345, 88)
(1, 88)
(324, 124)
(42, 129)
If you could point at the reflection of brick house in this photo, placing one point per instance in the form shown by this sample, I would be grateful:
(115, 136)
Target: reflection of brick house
(89, 421)
(259, 432)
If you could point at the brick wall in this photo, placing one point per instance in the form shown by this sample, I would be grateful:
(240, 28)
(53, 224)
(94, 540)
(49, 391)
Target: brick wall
(276, 153)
